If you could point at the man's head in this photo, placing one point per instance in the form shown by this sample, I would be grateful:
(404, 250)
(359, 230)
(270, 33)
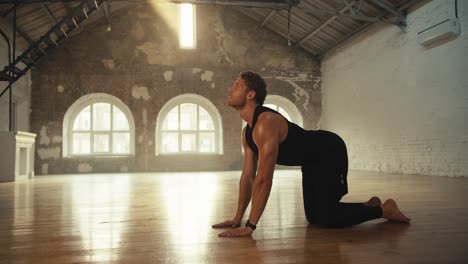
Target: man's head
(256, 83)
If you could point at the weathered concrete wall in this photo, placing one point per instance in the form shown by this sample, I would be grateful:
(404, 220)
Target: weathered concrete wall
(21, 89)
(143, 51)
(402, 107)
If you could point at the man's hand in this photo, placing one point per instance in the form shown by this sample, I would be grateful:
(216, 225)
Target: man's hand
(238, 232)
(229, 223)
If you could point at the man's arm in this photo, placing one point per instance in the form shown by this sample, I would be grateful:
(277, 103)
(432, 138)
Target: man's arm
(245, 185)
(266, 136)
(267, 139)
(247, 179)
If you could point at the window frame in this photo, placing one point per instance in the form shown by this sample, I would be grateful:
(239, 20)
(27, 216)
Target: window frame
(200, 101)
(75, 109)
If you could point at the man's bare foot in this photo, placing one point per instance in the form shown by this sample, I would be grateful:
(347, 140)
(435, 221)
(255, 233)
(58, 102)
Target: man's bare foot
(374, 201)
(391, 212)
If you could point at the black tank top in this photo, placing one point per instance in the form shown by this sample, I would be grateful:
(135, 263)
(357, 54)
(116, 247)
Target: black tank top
(297, 147)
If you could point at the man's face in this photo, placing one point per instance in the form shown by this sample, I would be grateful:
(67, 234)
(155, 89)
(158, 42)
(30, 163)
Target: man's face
(237, 94)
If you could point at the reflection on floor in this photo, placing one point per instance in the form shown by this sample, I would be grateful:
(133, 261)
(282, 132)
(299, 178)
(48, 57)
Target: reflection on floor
(167, 218)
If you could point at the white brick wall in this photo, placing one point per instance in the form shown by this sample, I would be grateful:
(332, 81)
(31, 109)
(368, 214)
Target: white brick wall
(401, 107)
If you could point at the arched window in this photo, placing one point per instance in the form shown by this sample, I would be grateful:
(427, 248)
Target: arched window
(98, 125)
(189, 124)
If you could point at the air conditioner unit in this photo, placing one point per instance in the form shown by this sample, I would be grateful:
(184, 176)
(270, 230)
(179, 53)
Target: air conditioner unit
(439, 33)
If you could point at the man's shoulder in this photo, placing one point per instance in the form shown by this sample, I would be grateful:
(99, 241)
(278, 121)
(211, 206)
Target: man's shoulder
(267, 123)
(268, 117)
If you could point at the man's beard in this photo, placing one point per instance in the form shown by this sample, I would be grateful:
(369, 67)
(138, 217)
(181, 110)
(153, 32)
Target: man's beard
(234, 105)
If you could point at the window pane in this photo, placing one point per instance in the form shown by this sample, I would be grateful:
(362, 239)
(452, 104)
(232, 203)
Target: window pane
(121, 143)
(271, 106)
(188, 116)
(206, 122)
(189, 142)
(82, 121)
(171, 122)
(207, 142)
(120, 120)
(186, 26)
(101, 116)
(170, 142)
(101, 143)
(281, 111)
(81, 143)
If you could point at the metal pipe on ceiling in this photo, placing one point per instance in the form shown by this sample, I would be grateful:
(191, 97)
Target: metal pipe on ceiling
(386, 7)
(400, 8)
(251, 4)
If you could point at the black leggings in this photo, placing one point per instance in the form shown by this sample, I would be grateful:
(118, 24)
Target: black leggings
(324, 183)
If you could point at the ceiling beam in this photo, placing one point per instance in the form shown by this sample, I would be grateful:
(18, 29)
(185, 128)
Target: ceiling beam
(410, 3)
(51, 16)
(23, 34)
(401, 18)
(357, 17)
(339, 43)
(350, 7)
(272, 13)
(387, 7)
(321, 26)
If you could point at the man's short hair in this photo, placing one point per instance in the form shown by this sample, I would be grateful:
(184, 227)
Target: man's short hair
(256, 83)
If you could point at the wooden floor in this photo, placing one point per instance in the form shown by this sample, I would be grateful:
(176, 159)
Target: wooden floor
(167, 218)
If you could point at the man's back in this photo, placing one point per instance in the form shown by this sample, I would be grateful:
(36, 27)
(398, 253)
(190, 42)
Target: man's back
(292, 148)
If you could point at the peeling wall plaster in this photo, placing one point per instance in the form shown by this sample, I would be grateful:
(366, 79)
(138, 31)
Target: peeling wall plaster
(43, 138)
(300, 94)
(85, 168)
(60, 89)
(159, 53)
(151, 51)
(49, 153)
(168, 75)
(108, 63)
(140, 92)
(221, 38)
(207, 76)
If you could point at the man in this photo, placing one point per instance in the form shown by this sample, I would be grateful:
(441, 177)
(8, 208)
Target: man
(269, 139)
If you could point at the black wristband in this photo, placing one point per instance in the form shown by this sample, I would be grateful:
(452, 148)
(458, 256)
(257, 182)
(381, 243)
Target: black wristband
(248, 224)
